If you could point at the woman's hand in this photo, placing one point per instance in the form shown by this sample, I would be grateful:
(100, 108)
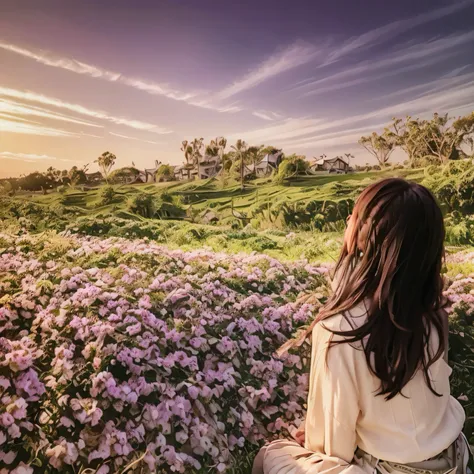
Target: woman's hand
(299, 434)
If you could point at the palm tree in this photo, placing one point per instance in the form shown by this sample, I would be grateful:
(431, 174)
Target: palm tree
(349, 156)
(196, 146)
(187, 149)
(106, 161)
(256, 155)
(240, 148)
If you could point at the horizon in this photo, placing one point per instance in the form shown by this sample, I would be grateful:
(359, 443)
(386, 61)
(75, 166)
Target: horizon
(79, 79)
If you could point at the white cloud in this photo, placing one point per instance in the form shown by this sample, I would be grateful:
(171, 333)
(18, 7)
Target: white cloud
(288, 128)
(306, 133)
(30, 128)
(263, 115)
(207, 104)
(391, 30)
(418, 56)
(8, 155)
(289, 58)
(15, 108)
(42, 99)
(150, 87)
(132, 138)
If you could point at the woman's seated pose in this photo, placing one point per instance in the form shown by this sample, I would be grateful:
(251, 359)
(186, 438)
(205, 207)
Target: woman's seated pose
(379, 397)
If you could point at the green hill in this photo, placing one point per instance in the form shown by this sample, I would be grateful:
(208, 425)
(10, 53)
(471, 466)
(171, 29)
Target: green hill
(301, 218)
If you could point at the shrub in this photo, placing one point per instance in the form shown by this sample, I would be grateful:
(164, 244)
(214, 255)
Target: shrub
(291, 166)
(142, 204)
(123, 352)
(128, 174)
(107, 195)
(165, 173)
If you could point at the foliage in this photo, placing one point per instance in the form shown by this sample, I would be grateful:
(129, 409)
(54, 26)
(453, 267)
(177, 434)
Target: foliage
(36, 181)
(240, 149)
(197, 154)
(291, 166)
(165, 173)
(255, 155)
(107, 195)
(380, 146)
(6, 187)
(124, 175)
(187, 149)
(453, 185)
(77, 176)
(106, 162)
(142, 204)
(432, 141)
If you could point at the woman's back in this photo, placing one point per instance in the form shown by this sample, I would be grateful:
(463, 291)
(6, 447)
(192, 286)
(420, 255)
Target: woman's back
(410, 427)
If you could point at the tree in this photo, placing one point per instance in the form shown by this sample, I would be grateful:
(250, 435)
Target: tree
(405, 135)
(197, 145)
(165, 173)
(270, 150)
(379, 146)
(293, 165)
(187, 149)
(349, 156)
(128, 174)
(240, 149)
(36, 182)
(256, 155)
(54, 174)
(6, 187)
(439, 139)
(221, 143)
(77, 176)
(464, 129)
(106, 162)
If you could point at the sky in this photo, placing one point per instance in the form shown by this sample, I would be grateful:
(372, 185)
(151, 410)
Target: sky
(78, 78)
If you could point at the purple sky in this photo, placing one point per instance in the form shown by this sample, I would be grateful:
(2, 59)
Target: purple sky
(137, 78)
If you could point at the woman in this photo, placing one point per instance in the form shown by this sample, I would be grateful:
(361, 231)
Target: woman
(379, 396)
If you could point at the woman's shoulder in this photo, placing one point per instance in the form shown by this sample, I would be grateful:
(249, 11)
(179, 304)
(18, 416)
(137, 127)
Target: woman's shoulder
(347, 320)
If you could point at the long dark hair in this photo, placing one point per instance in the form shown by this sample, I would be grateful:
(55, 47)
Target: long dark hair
(391, 260)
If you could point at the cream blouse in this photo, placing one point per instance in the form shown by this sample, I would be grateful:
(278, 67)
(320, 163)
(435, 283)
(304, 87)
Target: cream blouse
(344, 413)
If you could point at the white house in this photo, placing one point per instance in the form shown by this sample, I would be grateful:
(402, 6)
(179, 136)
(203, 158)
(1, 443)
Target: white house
(270, 162)
(148, 175)
(329, 164)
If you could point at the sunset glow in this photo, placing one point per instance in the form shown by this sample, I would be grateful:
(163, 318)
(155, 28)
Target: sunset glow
(79, 79)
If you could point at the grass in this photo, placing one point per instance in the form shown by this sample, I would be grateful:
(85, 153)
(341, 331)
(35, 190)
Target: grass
(211, 195)
(300, 219)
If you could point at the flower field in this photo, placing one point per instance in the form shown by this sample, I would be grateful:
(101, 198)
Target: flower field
(125, 356)
(121, 354)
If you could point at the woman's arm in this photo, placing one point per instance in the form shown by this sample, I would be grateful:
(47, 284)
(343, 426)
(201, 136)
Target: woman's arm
(333, 403)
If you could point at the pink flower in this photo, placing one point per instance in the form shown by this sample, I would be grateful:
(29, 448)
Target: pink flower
(193, 392)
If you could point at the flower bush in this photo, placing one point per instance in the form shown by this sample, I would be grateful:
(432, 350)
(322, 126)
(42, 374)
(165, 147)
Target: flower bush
(120, 355)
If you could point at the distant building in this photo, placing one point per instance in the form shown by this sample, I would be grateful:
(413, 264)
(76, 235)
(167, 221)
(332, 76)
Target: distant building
(209, 167)
(330, 164)
(148, 175)
(270, 162)
(94, 178)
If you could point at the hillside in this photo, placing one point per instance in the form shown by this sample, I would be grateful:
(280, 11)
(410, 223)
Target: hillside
(199, 197)
(299, 219)
(302, 218)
